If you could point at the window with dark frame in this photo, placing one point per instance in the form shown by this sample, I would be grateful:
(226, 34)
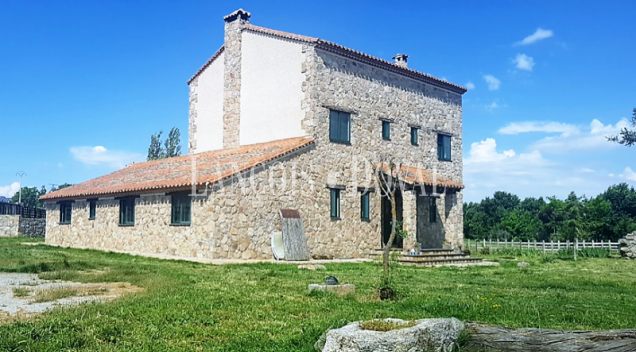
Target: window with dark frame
(432, 210)
(92, 209)
(181, 209)
(66, 211)
(339, 126)
(386, 130)
(127, 211)
(335, 203)
(364, 206)
(414, 140)
(444, 147)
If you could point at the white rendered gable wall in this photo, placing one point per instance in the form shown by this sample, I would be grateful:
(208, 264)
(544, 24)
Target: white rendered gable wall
(209, 120)
(271, 89)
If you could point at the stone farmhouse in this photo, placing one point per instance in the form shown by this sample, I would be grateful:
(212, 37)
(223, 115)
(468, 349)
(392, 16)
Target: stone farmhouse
(284, 121)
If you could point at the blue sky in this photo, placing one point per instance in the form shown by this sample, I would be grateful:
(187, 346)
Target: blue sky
(83, 84)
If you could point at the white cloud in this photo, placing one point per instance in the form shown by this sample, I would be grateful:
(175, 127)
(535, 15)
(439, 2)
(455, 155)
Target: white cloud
(10, 190)
(491, 107)
(592, 137)
(538, 35)
(611, 175)
(99, 155)
(524, 62)
(487, 170)
(629, 174)
(539, 126)
(493, 83)
(586, 170)
(470, 85)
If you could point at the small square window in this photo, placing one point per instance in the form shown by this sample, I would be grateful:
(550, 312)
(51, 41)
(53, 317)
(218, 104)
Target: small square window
(92, 209)
(335, 203)
(127, 211)
(414, 140)
(339, 127)
(444, 147)
(66, 211)
(432, 210)
(181, 209)
(364, 206)
(386, 130)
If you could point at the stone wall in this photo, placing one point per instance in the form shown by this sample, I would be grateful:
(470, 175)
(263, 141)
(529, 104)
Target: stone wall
(32, 227)
(9, 225)
(371, 94)
(628, 246)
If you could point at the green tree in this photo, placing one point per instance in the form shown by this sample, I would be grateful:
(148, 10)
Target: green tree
(172, 144)
(62, 186)
(30, 196)
(626, 137)
(171, 147)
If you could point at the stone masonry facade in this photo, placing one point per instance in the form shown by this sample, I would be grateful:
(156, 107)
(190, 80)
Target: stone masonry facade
(16, 225)
(235, 220)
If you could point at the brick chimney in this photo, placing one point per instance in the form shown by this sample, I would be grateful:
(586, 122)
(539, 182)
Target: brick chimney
(401, 59)
(234, 25)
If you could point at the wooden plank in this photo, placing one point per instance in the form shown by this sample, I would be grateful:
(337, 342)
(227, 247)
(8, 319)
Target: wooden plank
(495, 338)
(294, 239)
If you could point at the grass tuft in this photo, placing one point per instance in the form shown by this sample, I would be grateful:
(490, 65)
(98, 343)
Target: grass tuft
(21, 292)
(53, 294)
(383, 325)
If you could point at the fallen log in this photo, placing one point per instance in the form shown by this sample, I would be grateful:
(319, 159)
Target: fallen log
(499, 339)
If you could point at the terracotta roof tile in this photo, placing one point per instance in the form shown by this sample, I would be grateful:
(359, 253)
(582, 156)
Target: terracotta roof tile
(418, 176)
(176, 173)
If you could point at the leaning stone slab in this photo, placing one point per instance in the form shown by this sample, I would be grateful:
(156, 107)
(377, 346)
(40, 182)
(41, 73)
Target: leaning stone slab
(312, 267)
(438, 335)
(342, 289)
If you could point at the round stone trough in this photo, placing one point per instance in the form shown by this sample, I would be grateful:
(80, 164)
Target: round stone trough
(439, 335)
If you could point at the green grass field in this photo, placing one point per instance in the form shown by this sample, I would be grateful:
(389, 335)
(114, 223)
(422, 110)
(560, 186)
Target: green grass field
(266, 307)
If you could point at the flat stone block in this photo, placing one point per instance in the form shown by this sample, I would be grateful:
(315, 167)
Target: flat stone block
(312, 267)
(342, 289)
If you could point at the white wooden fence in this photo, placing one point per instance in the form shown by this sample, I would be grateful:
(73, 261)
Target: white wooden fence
(544, 246)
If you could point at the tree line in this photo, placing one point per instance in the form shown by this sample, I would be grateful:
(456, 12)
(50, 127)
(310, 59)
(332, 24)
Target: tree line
(504, 216)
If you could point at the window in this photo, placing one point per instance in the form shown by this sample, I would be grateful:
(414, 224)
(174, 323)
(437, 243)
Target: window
(335, 203)
(339, 127)
(414, 140)
(127, 211)
(364, 206)
(444, 147)
(181, 206)
(386, 130)
(92, 208)
(66, 210)
(432, 210)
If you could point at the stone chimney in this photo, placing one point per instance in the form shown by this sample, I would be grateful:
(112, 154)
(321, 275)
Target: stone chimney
(401, 59)
(234, 25)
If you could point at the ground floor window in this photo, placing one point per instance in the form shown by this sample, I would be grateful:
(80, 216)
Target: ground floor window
(364, 206)
(92, 208)
(66, 210)
(181, 209)
(335, 203)
(432, 209)
(127, 211)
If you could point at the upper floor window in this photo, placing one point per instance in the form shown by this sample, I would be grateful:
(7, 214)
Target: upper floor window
(339, 126)
(444, 147)
(92, 209)
(66, 210)
(127, 211)
(181, 209)
(386, 130)
(414, 140)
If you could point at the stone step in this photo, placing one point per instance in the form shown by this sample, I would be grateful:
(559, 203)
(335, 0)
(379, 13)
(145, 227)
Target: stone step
(435, 251)
(432, 262)
(448, 256)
